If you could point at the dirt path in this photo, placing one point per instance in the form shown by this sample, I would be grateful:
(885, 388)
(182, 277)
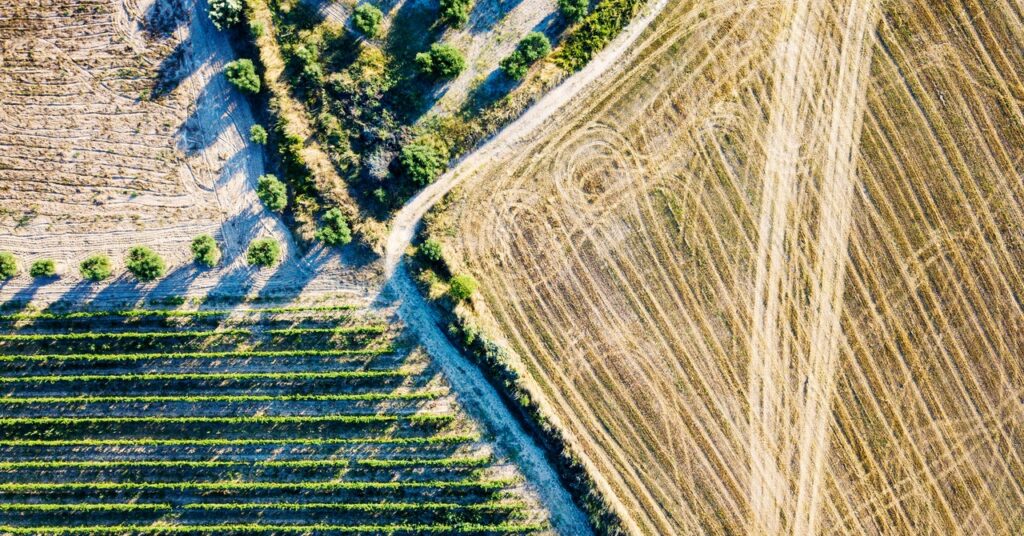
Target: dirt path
(476, 394)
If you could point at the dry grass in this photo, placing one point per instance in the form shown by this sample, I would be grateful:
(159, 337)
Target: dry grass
(767, 277)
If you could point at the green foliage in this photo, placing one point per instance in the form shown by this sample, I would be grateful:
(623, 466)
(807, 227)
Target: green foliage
(272, 192)
(442, 62)
(256, 28)
(43, 268)
(423, 162)
(335, 230)
(258, 134)
(205, 251)
(430, 250)
(367, 19)
(225, 13)
(461, 287)
(242, 73)
(573, 10)
(96, 267)
(455, 12)
(144, 263)
(595, 31)
(263, 252)
(533, 47)
(8, 265)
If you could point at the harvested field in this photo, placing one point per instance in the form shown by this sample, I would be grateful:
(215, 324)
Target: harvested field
(766, 275)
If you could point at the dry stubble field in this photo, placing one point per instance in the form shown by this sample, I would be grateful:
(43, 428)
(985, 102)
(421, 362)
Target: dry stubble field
(768, 276)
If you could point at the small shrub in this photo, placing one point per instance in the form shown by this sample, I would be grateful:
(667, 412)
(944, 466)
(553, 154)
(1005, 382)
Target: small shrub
(144, 263)
(272, 192)
(367, 19)
(256, 29)
(595, 31)
(455, 12)
(461, 287)
(96, 268)
(263, 252)
(335, 230)
(242, 73)
(205, 251)
(574, 10)
(8, 265)
(225, 13)
(441, 62)
(532, 48)
(258, 134)
(43, 268)
(422, 162)
(430, 250)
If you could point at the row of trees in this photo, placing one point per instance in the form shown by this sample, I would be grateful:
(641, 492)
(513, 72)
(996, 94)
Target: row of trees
(143, 263)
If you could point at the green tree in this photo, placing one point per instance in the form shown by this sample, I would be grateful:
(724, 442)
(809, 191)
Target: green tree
(442, 61)
(455, 12)
(272, 192)
(430, 249)
(96, 267)
(423, 162)
(242, 73)
(8, 265)
(263, 252)
(532, 48)
(461, 287)
(144, 263)
(367, 19)
(225, 13)
(574, 10)
(335, 230)
(43, 268)
(258, 134)
(205, 251)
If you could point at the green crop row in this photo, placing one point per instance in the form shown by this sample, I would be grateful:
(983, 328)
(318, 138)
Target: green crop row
(461, 528)
(490, 506)
(475, 461)
(422, 418)
(238, 354)
(363, 397)
(354, 330)
(198, 313)
(87, 335)
(184, 376)
(30, 487)
(110, 464)
(444, 439)
(84, 507)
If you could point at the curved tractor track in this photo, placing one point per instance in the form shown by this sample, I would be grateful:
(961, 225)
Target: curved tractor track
(478, 395)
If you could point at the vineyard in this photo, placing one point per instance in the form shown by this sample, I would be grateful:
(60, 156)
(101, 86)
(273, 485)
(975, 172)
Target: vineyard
(300, 419)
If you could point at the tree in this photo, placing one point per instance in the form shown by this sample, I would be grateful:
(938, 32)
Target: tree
(205, 251)
(272, 192)
(8, 265)
(423, 162)
(96, 267)
(533, 47)
(258, 134)
(573, 10)
(431, 250)
(225, 13)
(263, 252)
(461, 287)
(335, 230)
(442, 61)
(242, 73)
(43, 268)
(367, 19)
(144, 264)
(455, 12)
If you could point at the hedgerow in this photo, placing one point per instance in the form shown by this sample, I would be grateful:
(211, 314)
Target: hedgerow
(595, 31)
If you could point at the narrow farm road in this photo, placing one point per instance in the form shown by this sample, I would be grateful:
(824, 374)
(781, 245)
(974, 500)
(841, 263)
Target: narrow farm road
(475, 393)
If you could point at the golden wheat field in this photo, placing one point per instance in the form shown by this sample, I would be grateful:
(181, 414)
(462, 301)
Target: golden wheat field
(768, 274)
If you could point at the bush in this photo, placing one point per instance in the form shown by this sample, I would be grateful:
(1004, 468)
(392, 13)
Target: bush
(263, 252)
(455, 12)
(96, 268)
(272, 192)
(430, 250)
(335, 230)
(242, 73)
(441, 62)
(258, 134)
(144, 263)
(43, 268)
(532, 48)
(595, 31)
(574, 10)
(205, 251)
(367, 19)
(461, 287)
(422, 162)
(8, 265)
(225, 13)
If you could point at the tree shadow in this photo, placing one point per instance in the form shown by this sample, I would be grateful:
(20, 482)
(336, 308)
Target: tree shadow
(164, 17)
(171, 71)
(486, 14)
(492, 89)
(197, 133)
